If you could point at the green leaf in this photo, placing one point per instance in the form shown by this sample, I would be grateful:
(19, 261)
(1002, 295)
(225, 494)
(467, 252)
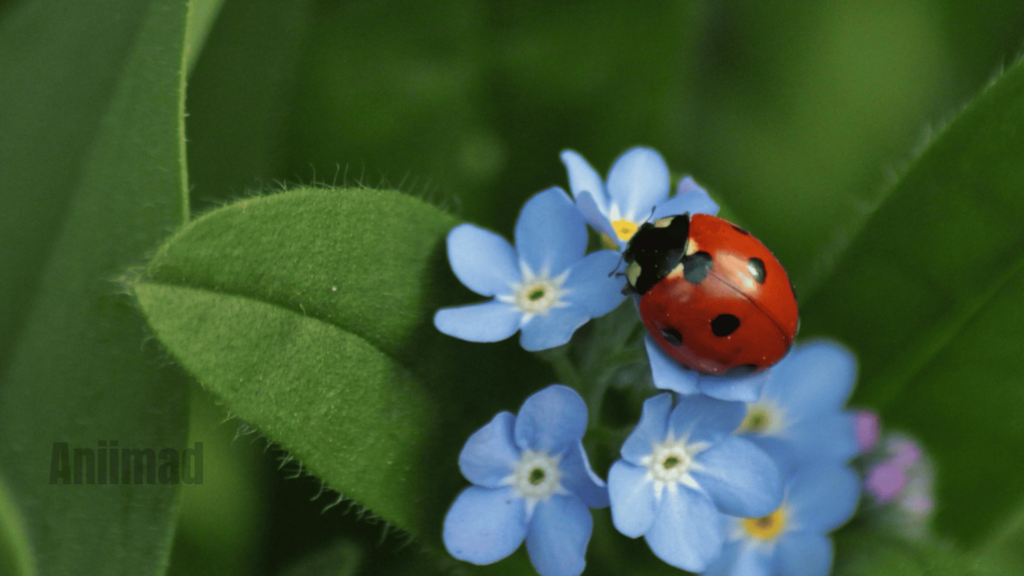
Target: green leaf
(93, 165)
(863, 552)
(309, 313)
(929, 297)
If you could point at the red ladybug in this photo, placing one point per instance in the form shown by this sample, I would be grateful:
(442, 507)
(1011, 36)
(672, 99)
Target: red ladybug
(713, 296)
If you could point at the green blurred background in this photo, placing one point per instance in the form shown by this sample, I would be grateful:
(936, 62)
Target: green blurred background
(796, 114)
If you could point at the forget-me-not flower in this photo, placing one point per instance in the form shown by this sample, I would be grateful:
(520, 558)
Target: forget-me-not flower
(793, 540)
(531, 480)
(544, 287)
(668, 374)
(680, 470)
(800, 417)
(636, 191)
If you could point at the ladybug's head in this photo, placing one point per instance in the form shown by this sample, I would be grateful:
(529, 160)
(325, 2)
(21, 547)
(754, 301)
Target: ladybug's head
(655, 249)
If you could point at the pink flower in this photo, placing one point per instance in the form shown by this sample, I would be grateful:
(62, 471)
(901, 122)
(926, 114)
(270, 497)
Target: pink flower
(886, 480)
(866, 425)
(906, 453)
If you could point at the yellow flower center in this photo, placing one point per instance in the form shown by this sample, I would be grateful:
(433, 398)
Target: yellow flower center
(624, 229)
(766, 418)
(757, 420)
(766, 527)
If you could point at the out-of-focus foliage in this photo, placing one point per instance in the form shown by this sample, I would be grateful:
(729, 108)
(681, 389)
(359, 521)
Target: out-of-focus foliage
(929, 295)
(864, 552)
(93, 175)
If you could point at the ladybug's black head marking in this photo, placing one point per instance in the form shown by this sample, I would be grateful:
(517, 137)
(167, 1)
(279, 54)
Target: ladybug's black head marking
(756, 268)
(724, 324)
(672, 336)
(655, 249)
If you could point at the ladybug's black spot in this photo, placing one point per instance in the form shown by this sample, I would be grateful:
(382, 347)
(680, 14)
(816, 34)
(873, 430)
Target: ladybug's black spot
(672, 336)
(740, 230)
(740, 371)
(756, 268)
(724, 324)
(696, 267)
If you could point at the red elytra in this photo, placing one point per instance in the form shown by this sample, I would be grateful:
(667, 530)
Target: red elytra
(712, 296)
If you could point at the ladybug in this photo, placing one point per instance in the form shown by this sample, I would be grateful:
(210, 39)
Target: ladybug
(713, 296)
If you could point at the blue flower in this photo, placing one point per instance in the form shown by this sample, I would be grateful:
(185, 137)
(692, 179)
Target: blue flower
(638, 185)
(545, 286)
(532, 481)
(800, 417)
(680, 470)
(669, 374)
(793, 540)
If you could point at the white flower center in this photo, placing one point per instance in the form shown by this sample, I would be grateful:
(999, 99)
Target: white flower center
(535, 478)
(764, 417)
(670, 463)
(537, 294)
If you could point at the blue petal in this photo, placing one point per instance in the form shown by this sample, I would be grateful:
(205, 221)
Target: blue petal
(703, 419)
(558, 535)
(637, 182)
(686, 532)
(554, 328)
(485, 525)
(740, 478)
(579, 478)
(814, 378)
(667, 373)
(689, 198)
(652, 429)
(734, 388)
(780, 450)
(551, 420)
(583, 178)
(632, 499)
(739, 558)
(830, 437)
(594, 216)
(488, 322)
(804, 554)
(550, 232)
(485, 262)
(691, 203)
(822, 497)
(594, 285)
(687, 184)
(490, 455)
